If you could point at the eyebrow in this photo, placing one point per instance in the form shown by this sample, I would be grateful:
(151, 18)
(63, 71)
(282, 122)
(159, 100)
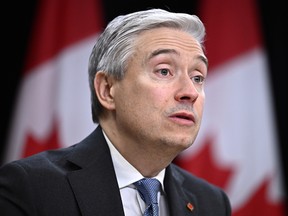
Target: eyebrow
(173, 51)
(203, 59)
(162, 51)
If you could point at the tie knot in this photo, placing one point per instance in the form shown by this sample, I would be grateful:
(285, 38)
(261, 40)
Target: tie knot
(148, 189)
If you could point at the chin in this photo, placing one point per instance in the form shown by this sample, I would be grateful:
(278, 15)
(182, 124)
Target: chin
(181, 143)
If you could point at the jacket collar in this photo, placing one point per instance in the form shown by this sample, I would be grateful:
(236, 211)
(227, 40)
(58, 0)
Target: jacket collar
(99, 194)
(94, 181)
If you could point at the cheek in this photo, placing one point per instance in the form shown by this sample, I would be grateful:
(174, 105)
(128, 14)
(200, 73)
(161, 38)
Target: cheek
(159, 97)
(143, 95)
(147, 103)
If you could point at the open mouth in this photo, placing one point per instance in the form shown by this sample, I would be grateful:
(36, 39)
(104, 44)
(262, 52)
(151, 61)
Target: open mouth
(183, 118)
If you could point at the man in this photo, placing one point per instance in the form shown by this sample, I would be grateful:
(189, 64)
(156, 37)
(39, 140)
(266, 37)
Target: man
(146, 75)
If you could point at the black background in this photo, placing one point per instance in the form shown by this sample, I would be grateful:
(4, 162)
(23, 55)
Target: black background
(17, 18)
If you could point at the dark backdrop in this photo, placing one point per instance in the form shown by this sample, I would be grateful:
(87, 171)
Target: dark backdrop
(17, 25)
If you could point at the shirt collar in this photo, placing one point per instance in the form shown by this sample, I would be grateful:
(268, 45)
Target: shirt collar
(127, 174)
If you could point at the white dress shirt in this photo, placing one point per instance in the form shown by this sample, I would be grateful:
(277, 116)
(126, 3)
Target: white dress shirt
(126, 175)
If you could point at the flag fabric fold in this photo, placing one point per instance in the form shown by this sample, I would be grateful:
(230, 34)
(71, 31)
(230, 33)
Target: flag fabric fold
(237, 146)
(53, 105)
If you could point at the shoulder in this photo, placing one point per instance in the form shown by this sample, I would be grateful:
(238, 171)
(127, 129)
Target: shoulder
(210, 198)
(56, 159)
(191, 179)
(197, 185)
(40, 162)
(28, 183)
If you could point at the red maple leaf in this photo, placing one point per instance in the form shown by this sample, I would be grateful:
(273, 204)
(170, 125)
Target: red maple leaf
(204, 166)
(259, 204)
(33, 145)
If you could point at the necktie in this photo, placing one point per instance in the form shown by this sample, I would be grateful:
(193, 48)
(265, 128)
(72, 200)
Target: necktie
(148, 189)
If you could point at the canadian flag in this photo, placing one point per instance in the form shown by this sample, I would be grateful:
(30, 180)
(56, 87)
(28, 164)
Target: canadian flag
(53, 106)
(237, 147)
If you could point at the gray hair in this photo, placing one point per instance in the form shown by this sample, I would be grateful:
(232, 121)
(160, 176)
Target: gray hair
(115, 46)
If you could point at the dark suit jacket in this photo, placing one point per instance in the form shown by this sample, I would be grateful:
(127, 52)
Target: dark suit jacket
(80, 180)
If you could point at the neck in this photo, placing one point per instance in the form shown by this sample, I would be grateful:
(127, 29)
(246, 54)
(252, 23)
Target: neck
(147, 157)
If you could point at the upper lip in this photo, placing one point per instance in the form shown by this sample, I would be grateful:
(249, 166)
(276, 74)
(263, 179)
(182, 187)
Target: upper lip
(184, 115)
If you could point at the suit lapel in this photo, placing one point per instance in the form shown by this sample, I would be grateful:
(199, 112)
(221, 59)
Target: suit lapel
(94, 183)
(180, 201)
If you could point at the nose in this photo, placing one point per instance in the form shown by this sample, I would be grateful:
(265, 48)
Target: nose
(186, 91)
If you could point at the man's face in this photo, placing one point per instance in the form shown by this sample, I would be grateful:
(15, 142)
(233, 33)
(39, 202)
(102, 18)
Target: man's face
(159, 103)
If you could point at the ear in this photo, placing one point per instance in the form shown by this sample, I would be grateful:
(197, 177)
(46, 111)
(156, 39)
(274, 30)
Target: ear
(103, 86)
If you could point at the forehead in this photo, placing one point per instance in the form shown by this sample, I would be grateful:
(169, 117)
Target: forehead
(167, 38)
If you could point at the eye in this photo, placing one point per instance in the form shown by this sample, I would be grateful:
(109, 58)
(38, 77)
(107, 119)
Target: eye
(198, 79)
(164, 72)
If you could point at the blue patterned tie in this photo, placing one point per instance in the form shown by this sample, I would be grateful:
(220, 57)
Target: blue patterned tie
(148, 189)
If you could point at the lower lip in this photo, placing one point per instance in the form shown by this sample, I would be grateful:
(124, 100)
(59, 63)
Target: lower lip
(181, 121)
